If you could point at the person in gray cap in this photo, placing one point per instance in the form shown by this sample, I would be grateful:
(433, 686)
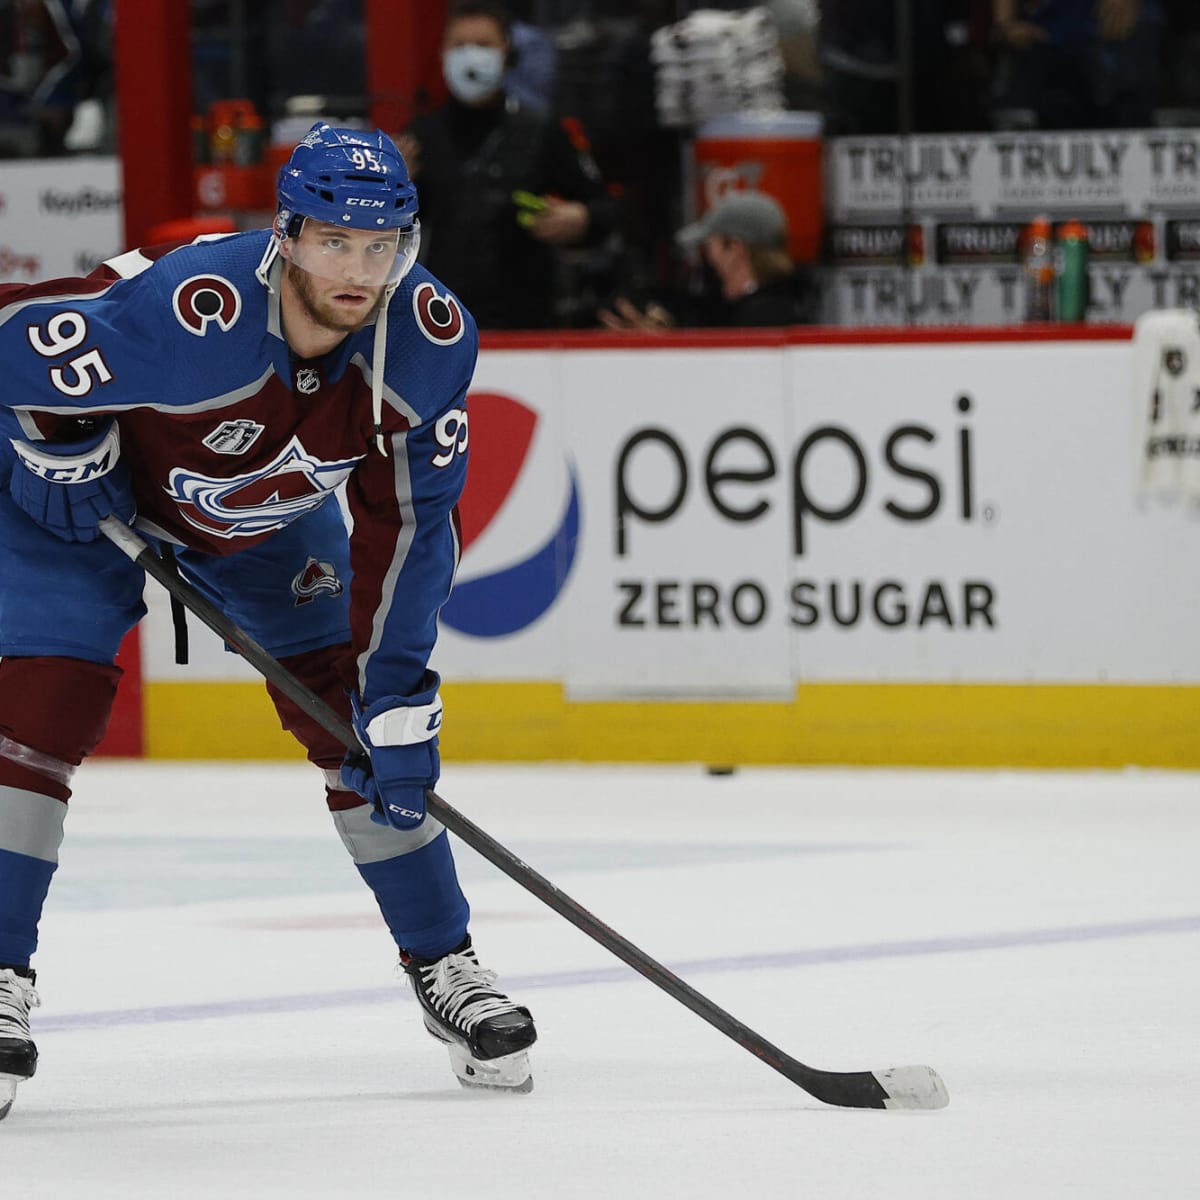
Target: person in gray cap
(743, 238)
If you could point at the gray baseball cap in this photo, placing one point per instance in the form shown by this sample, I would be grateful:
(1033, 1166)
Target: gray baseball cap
(754, 217)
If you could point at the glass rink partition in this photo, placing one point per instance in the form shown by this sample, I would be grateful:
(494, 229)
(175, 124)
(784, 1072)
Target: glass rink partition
(871, 547)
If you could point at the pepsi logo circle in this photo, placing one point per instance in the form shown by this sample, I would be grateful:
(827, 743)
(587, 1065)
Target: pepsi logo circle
(519, 521)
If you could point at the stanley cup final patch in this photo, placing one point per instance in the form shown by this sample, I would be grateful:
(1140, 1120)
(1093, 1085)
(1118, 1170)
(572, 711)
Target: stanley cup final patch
(234, 437)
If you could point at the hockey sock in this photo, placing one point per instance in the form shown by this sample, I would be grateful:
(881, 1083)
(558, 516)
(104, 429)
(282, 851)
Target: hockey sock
(53, 713)
(24, 882)
(420, 899)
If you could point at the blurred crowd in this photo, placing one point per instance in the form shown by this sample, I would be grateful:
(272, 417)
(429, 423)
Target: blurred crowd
(553, 156)
(55, 76)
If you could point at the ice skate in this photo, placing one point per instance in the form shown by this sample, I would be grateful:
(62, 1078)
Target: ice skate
(488, 1036)
(18, 1054)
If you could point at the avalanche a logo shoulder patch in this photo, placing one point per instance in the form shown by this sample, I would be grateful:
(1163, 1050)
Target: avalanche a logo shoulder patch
(439, 317)
(203, 300)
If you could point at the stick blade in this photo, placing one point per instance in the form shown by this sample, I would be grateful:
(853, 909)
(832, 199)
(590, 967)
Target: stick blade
(897, 1087)
(913, 1087)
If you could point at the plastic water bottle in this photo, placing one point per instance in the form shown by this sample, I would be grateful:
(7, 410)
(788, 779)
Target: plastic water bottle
(1038, 265)
(1072, 271)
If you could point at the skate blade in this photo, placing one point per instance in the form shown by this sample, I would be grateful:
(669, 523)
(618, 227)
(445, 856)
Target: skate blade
(8, 1093)
(510, 1073)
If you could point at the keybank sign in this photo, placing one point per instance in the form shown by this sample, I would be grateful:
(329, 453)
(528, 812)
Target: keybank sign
(77, 203)
(58, 217)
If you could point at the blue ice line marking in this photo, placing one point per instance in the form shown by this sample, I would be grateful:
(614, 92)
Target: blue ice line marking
(171, 872)
(784, 960)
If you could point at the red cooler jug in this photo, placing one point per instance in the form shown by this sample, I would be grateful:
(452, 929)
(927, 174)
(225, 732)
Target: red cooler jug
(774, 152)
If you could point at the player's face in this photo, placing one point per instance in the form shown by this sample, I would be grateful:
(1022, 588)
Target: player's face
(338, 275)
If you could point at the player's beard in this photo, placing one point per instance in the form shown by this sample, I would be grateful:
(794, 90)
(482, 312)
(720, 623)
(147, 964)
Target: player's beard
(321, 312)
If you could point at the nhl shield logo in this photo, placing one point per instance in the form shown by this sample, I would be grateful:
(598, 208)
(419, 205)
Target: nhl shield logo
(307, 381)
(1174, 360)
(234, 437)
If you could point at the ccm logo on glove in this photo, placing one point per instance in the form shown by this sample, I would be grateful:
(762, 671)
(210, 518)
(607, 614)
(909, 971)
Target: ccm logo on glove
(399, 735)
(70, 487)
(408, 813)
(59, 465)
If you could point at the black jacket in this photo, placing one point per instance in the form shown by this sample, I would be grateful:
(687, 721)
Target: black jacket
(472, 161)
(792, 300)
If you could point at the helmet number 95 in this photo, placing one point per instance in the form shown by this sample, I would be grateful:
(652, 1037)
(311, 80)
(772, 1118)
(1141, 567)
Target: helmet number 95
(365, 160)
(64, 332)
(451, 433)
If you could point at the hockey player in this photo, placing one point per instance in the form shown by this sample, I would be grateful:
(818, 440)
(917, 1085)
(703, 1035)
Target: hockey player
(216, 395)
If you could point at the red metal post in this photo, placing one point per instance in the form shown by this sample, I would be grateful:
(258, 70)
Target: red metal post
(404, 72)
(154, 109)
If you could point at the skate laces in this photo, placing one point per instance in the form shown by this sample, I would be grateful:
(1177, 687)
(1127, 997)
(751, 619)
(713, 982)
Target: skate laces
(462, 990)
(17, 997)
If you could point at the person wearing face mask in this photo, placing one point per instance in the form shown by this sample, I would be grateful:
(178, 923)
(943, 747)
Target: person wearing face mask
(504, 185)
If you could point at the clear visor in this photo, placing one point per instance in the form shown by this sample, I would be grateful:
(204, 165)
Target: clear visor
(356, 257)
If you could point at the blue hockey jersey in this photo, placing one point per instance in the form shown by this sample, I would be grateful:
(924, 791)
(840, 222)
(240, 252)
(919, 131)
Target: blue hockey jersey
(230, 437)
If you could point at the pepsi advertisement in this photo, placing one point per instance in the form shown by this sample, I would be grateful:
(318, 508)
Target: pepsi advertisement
(686, 522)
(731, 522)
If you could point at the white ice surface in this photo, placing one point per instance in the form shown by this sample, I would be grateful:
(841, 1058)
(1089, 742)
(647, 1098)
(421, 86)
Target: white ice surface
(221, 1018)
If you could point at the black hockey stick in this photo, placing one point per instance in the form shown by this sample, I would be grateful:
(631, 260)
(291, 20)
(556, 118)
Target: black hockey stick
(897, 1087)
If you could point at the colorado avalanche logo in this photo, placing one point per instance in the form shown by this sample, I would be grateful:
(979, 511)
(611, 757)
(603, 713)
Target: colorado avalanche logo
(505, 498)
(438, 317)
(261, 501)
(317, 578)
(204, 300)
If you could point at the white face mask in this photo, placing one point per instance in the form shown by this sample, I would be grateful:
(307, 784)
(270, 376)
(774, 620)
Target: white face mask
(473, 72)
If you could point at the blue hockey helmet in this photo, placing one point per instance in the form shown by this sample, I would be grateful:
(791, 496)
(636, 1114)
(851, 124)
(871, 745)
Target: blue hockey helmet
(352, 179)
(349, 177)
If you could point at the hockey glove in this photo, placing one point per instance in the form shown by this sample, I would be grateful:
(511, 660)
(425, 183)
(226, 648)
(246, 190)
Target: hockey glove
(70, 487)
(399, 734)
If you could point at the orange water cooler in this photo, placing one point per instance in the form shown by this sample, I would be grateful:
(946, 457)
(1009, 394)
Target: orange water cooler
(774, 152)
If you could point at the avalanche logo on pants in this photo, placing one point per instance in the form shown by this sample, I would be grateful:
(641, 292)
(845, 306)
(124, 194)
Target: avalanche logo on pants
(317, 577)
(261, 501)
(514, 495)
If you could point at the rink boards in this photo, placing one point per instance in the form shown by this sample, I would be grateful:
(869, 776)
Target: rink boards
(825, 547)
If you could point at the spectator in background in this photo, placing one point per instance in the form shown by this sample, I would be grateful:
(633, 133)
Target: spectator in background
(743, 240)
(503, 186)
(1078, 64)
(55, 75)
(799, 23)
(533, 67)
(863, 66)
(1181, 78)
